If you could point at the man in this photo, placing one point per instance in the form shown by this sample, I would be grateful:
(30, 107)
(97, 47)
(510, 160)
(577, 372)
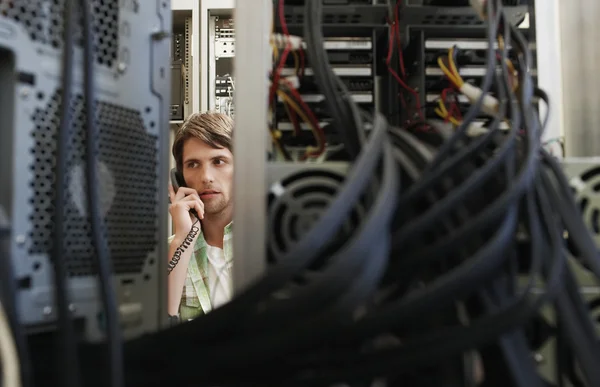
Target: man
(201, 278)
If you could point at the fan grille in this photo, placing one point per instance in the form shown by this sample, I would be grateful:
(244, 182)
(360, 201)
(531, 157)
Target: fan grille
(128, 164)
(43, 20)
(296, 204)
(588, 195)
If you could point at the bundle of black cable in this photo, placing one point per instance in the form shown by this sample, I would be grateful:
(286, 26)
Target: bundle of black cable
(428, 277)
(456, 251)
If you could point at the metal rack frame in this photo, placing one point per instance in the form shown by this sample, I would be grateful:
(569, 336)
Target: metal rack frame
(252, 63)
(550, 67)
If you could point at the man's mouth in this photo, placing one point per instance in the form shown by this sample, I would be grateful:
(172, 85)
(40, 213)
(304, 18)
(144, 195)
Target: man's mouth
(208, 193)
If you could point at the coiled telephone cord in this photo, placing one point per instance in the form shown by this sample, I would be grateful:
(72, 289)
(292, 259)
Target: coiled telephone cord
(189, 239)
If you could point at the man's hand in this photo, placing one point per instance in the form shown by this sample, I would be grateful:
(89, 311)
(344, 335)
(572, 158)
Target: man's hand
(182, 202)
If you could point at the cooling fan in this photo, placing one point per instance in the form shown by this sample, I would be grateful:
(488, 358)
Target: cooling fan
(584, 179)
(297, 196)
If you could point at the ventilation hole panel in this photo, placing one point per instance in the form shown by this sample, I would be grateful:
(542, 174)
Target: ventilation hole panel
(43, 20)
(128, 185)
(295, 205)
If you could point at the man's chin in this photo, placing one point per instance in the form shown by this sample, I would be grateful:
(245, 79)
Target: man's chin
(213, 209)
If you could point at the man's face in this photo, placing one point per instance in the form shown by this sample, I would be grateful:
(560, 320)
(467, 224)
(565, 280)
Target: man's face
(210, 172)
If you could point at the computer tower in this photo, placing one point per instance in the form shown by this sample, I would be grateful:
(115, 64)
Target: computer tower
(131, 58)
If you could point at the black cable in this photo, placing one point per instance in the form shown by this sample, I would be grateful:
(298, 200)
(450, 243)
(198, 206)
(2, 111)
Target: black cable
(99, 235)
(67, 346)
(571, 217)
(513, 345)
(454, 238)
(326, 79)
(187, 242)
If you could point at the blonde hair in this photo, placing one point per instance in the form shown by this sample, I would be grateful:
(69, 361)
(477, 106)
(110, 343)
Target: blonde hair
(214, 129)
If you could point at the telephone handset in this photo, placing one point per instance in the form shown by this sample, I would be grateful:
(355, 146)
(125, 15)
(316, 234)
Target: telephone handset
(177, 181)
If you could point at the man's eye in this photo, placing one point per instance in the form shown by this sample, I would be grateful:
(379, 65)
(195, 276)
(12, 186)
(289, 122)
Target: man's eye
(192, 165)
(219, 161)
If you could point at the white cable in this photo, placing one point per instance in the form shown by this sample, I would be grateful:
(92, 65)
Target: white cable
(293, 80)
(280, 41)
(8, 354)
(490, 104)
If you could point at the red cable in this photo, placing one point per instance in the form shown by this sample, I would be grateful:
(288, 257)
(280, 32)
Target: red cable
(295, 123)
(311, 116)
(454, 107)
(397, 26)
(301, 53)
(284, 55)
(395, 38)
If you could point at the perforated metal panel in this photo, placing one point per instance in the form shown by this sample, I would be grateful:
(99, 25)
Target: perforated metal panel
(43, 20)
(131, 112)
(188, 59)
(128, 159)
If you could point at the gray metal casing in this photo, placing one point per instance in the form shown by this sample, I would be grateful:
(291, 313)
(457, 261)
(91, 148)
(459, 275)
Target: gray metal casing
(252, 63)
(132, 110)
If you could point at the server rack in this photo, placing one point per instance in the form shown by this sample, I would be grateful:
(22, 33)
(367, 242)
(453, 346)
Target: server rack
(426, 33)
(352, 29)
(221, 54)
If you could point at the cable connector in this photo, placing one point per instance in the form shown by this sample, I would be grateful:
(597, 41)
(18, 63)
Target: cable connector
(490, 104)
(479, 7)
(478, 128)
(293, 80)
(280, 41)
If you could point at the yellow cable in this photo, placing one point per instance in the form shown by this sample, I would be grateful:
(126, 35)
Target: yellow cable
(302, 115)
(454, 69)
(453, 120)
(272, 40)
(275, 136)
(289, 113)
(509, 64)
(448, 73)
(442, 111)
(501, 42)
(296, 62)
(442, 107)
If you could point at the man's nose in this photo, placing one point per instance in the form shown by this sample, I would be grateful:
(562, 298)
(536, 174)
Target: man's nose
(207, 175)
